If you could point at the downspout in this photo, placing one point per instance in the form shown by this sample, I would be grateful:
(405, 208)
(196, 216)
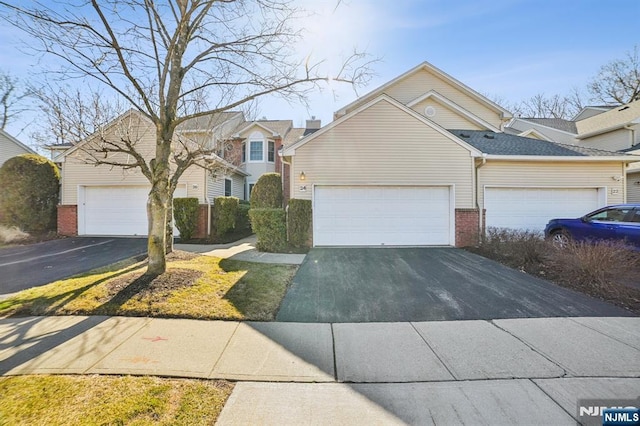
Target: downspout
(480, 211)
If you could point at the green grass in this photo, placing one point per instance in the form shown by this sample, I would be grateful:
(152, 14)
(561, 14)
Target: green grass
(201, 287)
(102, 400)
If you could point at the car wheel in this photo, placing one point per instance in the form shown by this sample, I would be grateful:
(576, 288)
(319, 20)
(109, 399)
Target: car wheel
(560, 239)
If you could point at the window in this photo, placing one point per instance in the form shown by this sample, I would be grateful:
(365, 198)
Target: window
(227, 187)
(611, 215)
(251, 185)
(244, 152)
(271, 151)
(255, 151)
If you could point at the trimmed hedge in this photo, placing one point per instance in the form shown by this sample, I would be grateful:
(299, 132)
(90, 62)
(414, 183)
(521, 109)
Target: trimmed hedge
(267, 192)
(225, 210)
(270, 227)
(243, 223)
(299, 222)
(185, 214)
(29, 196)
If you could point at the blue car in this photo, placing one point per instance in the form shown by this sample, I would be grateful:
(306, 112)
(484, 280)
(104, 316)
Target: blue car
(617, 223)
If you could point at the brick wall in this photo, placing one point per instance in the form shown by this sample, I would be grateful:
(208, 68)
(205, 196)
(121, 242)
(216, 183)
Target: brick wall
(68, 220)
(201, 227)
(467, 229)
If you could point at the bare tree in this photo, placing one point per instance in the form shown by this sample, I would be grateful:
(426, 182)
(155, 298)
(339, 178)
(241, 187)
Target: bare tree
(618, 82)
(172, 61)
(10, 98)
(70, 115)
(555, 106)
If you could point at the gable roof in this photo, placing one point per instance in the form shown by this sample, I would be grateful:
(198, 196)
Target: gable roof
(554, 123)
(438, 72)
(591, 110)
(290, 150)
(536, 135)
(507, 145)
(12, 139)
(275, 127)
(613, 119)
(453, 106)
(206, 123)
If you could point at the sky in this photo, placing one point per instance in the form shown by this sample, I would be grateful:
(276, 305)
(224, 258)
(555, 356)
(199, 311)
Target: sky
(508, 49)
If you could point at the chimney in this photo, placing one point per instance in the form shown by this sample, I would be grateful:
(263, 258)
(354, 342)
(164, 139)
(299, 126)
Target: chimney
(313, 124)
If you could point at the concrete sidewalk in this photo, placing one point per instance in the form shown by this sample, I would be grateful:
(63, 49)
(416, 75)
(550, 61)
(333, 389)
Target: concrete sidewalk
(476, 372)
(245, 250)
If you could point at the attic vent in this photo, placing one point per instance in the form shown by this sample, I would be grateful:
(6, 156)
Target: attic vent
(623, 108)
(489, 136)
(465, 135)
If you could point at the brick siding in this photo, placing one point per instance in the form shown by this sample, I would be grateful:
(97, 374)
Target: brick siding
(467, 229)
(68, 220)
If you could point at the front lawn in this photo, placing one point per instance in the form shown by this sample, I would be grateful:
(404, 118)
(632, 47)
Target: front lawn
(100, 400)
(194, 286)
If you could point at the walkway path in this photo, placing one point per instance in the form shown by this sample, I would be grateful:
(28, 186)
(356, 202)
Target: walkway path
(530, 371)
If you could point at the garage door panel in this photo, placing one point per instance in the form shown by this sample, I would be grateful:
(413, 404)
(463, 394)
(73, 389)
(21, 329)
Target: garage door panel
(532, 208)
(117, 210)
(381, 215)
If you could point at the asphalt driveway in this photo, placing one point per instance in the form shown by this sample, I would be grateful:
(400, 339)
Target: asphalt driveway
(23, 267)
(423, 284)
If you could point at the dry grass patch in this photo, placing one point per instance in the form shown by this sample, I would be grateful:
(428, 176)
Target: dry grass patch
(11, 235)
(606, 270)
(193, 287)
(101, 400)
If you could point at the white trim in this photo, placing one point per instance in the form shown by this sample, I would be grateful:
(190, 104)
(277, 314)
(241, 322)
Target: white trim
(615, 158)
(291, 149)
(452, 202)
(603, 191)
(526, 134)
(255, 123)
(426, 65)
(17, 142)
(251, 140)
(620, 126)
(453, 106)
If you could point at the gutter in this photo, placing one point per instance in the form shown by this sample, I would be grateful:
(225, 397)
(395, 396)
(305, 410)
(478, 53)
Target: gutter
(626, 158)
(480, 211)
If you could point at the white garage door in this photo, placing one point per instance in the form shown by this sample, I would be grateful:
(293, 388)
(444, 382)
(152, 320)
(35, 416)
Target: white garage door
(381, 215)
(532, 208)
(116, 210)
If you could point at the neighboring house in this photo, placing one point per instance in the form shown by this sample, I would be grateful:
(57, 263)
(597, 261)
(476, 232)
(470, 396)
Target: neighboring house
(548, 129)
(424, 160)
(617, 129)
(11, 147)
(111, 200)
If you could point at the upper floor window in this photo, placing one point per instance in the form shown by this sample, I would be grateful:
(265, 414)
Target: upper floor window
(256, 151)
(271, 151)
(244, 152)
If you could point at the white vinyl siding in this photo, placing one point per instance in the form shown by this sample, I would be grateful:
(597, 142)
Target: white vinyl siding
(9, 149)
(237, 186)
(553, 174)
(422, 82)
(531, 208)
(633, 188)
(611, 141)
(382, 215)
(446, 117)
(77, 172)
(384, 145)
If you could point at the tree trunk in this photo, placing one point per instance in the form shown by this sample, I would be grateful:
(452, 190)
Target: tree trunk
(157, 213)
(169, 236)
